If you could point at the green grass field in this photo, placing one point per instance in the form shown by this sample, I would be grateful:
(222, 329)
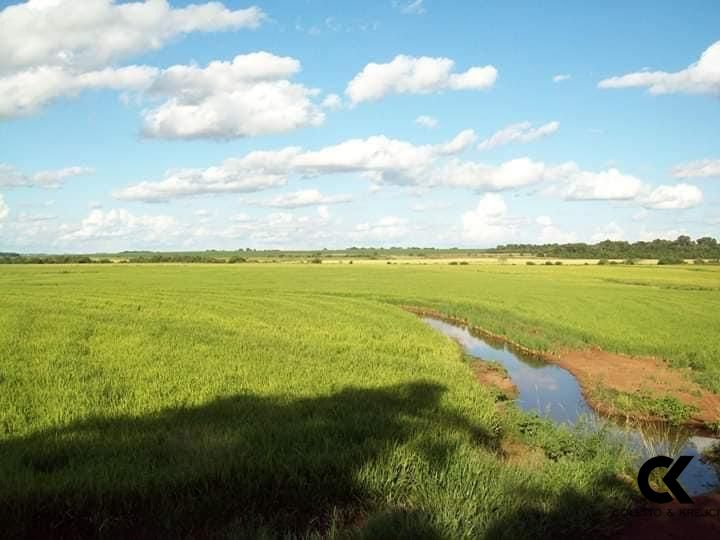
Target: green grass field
(300, 400)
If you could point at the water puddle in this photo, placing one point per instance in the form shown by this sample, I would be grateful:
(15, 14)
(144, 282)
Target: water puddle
(553, 392)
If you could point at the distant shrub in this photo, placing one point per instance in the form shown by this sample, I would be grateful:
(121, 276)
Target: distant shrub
(316, 260)
(613, 262)
(603, 261)
(464, 263)
(350, 262)
(453, 263)
(699, 261)
(548, 263)
(558, 263)
(236, 259)
(530, 263)
(671, 260)
(629, 261)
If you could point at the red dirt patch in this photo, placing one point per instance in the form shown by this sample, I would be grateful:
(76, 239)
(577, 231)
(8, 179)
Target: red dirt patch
(489, 375)
(595, 368)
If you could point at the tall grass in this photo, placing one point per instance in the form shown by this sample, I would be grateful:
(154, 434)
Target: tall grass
(274, 400)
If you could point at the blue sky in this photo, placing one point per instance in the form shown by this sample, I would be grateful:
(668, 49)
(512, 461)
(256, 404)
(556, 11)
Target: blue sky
(137, 125)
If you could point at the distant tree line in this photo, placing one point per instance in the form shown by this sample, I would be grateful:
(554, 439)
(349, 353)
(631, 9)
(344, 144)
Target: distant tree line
(16, 258)
(666, 251)
(681, 248)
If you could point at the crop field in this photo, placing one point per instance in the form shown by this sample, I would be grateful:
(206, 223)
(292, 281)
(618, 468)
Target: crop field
(271, 400)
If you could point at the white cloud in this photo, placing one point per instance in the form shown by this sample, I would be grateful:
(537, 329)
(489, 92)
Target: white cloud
(561, 77)
(305, 197)
(429, 122)
(487, 223)
(648, 235)
(4, 209)
(522, 132)
(604, 185)
(460, 142)
(381, 160)
(411, 75)
(92, 33)
(508, 175)
(323, 212)
(249, 96)
(704, 168)
(386, 228)
(282, 229)
(544, 221)
(414, 7)
(430, 206)
(26, 92)
(551, 234)
(611, 231)
(119, 223)
(24, 217)
(332, 102)
(248, 174)
(240, 217)
(675, 197)
(11, 177)
(60, 48)
(702, 77)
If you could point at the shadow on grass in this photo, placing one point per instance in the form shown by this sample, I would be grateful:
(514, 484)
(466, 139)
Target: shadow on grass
(244, 463)
(597, 513)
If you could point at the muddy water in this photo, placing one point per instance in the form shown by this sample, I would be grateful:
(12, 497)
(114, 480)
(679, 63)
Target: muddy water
(553, 392)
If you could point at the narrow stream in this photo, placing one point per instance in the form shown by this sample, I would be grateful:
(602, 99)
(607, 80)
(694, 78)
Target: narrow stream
(553, 392)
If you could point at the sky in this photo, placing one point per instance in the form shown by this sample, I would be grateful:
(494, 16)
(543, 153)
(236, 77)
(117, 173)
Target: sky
(309, 124)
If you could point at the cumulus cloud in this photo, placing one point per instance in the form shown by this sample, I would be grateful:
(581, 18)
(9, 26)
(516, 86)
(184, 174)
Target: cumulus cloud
(26, 92)
(611, 231)
(10, 177)
(487, 223)
(522, 132)
(119, 223)
(702, 77)
(249, 96)
(704, 168)
(92, 33)
(332, 102)
(609, 185)
(561, 77)
(416, 75)
(460, 142)
(383, 160)
(254, 172)
(60, 48)
(551, 234)
(511, 174)
(676, 197)
(4, 209)
(429, 122)
(305, 197)
(386, 228)
(283, 229)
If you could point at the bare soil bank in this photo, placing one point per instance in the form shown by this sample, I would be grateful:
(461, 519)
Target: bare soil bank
(597, 371)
